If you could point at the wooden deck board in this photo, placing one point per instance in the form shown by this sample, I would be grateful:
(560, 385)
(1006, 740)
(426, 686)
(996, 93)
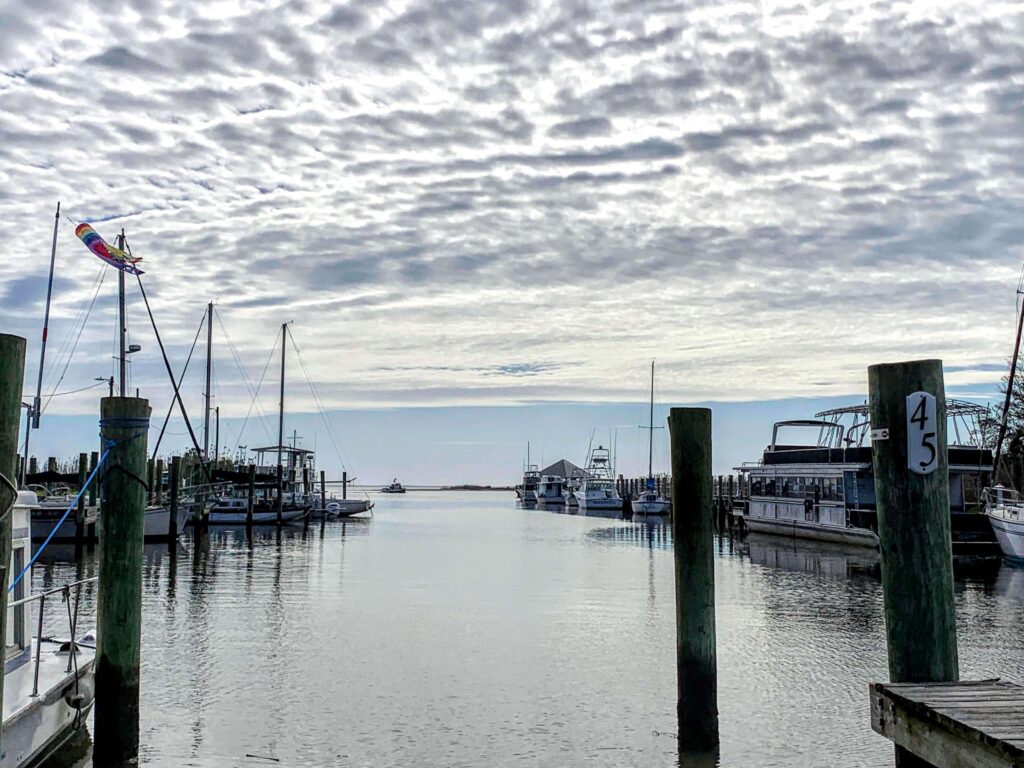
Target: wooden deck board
(953, 725)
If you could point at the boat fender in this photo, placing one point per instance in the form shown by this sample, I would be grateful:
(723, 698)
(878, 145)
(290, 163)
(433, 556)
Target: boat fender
(80, 696)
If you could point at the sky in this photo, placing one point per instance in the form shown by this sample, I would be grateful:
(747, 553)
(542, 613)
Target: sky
(485, 219)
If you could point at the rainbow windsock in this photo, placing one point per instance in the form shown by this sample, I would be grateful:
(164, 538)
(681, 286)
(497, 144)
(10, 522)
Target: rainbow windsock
(115, 257)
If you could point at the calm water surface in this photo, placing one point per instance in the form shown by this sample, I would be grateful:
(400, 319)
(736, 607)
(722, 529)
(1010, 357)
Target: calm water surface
(455, 629)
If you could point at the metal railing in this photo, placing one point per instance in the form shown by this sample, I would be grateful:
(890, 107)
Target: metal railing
(65, 592)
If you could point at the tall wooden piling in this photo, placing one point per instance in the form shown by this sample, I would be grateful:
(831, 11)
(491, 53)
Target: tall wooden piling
(174, 498)
(124, 424)
(251, 495)
(344, 484)
(323, 496)
(693, 542)
(12, 375)
(83, 469)
(33, 465)
(909, 455)
(94, 459)
(150, 485)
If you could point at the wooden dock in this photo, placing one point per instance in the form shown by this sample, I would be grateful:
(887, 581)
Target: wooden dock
(953, 725)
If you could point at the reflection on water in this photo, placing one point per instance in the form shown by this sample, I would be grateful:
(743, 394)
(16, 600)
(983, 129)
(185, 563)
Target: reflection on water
(458, 629)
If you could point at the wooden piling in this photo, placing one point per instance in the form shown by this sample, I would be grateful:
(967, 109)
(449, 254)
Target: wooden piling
(910, 462)
(173, 491)
(323, 495)
(124, 424)
(150, 485)
(693, 542)
(12, 375)
(250, 495)
(33, 465)
(344, 484)
(94, 459)
(158, 491)
(83, 469)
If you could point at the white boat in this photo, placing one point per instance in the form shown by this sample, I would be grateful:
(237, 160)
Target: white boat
(649, 501)
(551, 490)
(48, 683)
(395, 487)
(597, 491)
(336, 507)
(234, 511)
(158, 518)
(1005, 510)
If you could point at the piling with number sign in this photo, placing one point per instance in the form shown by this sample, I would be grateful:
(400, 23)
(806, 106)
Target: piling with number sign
(124, 424)
(909, 455)
(693, 546)
(12, 374)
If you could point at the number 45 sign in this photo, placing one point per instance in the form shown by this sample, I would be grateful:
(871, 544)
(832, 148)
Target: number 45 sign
(922, 448)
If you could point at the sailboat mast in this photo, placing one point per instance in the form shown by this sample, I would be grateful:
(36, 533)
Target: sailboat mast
(1009, 390)
(37, 402)
(650, 433)
(280, 420)
(121, 330)
(209, 368)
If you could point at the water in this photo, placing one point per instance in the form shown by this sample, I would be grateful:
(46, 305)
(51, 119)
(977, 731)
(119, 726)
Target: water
(454, 629)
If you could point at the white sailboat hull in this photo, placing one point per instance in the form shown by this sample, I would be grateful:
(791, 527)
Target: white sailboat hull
(233, 517)
(158, 518)
(658, 507)
(1010, 535)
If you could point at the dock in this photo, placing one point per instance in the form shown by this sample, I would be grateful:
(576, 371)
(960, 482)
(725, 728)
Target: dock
(953, 724)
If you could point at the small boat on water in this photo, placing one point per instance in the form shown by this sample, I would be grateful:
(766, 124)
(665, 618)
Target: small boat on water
(551, 490)
(597, 491)
(49, 681)
(1005, 510)
(230, 510)
(336, 507)
(395, 487)
(649, 501)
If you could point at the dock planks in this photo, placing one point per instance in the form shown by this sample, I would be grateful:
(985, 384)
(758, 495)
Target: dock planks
(953, 725)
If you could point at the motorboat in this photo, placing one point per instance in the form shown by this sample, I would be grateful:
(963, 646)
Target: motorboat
(551, 490)
(394, 487)
(597, 490)
(231, 510)
(48, 681)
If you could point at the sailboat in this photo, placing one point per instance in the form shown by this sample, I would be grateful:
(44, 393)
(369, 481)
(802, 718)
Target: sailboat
(649, 501)
(288, 504)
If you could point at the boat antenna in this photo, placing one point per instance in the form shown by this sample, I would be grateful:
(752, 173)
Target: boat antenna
(36, 409)
(1009, 383)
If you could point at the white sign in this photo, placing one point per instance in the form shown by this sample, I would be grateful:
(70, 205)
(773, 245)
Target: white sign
(922, 434)
(879, 434)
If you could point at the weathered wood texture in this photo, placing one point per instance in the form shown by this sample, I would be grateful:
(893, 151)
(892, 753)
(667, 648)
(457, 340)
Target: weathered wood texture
(693, 537)
(953, 725)
(914, 529)
(124, 424)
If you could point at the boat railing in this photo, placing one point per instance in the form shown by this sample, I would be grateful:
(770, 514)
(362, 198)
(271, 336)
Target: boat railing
(65, 593)
(1005, 502)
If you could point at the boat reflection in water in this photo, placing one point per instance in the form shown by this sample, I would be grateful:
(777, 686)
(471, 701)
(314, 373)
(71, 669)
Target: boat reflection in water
(831, 560)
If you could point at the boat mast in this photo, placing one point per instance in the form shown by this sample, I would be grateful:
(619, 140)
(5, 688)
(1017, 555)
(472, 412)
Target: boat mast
(1009, 388)
(209, 368)
(650, 434)
(280, 419)
(37, 402)
(121, 323)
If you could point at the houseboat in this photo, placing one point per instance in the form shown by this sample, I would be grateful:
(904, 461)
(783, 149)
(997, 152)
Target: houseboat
(825, 489)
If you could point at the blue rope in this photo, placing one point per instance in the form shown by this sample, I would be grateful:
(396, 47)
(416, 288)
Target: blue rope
(111, 444)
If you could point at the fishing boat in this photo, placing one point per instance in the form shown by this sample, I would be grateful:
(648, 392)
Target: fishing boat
(649, 501)
(1005, 510)
(48, 681)
(597, 490)
(394, 487)
(824, 488)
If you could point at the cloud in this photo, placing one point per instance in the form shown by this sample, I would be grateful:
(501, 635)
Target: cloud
(449, 200)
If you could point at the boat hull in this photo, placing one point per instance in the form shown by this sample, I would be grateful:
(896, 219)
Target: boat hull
(599, 503)
(649, 507)
(552, 501)
(157, 520)
(260, 517)
(1010, 535)
(342, 508)
(34, 727)
(796, 529)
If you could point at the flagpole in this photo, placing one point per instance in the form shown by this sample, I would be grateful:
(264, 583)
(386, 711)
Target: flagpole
(37, 402)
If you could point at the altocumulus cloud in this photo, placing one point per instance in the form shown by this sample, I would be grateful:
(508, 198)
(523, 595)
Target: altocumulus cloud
(500, 202)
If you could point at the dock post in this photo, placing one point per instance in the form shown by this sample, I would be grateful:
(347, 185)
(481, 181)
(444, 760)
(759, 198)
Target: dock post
(907, 405)
(693, 544)
(323, 496)
(33, 465)
(251, 495)
(124, 423)
(150, 472)
(94, 459)
(158, 492)
(344, 483)
(83, 469)
(12, 375)
(174, 484)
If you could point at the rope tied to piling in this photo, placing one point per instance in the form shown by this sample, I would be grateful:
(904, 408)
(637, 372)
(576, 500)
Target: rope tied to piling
(110, 445)
(14, 496)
